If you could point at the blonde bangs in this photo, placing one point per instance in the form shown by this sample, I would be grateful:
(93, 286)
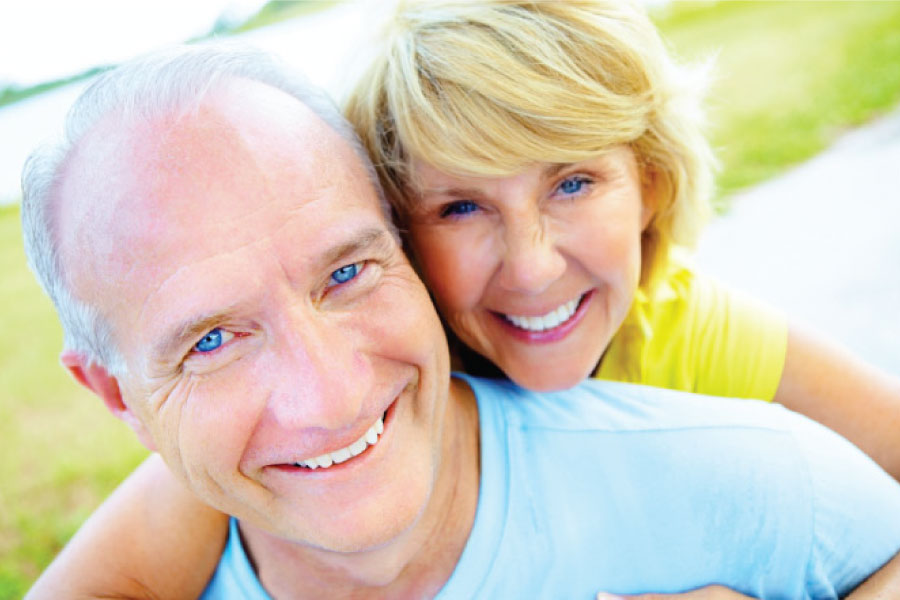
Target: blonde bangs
(457, 96)
(490, 88)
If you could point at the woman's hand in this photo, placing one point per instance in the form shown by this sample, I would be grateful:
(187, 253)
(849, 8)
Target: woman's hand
(710, 592)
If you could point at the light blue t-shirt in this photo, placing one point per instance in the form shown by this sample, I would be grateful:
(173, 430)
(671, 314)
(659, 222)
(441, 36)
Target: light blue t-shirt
(629, 489)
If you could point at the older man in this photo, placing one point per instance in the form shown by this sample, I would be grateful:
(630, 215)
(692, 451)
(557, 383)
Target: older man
(231, 286)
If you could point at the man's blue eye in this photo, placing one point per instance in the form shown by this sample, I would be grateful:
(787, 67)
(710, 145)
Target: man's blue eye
(572, 185)
(345, 273)
(210, 341)
(462, 207)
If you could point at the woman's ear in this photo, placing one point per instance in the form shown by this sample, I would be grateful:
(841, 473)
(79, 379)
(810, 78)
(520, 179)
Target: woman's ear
(654, 186)
(97, 379)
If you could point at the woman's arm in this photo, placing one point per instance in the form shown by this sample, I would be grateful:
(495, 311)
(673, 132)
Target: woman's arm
(827, 383)
(881, 585)
(151, 538)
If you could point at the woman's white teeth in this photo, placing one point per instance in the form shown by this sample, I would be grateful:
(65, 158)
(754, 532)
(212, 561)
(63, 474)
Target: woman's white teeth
(559, 315)
(369, 438)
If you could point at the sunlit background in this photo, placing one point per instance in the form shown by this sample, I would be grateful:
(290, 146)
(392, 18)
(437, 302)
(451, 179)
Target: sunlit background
(51, 41)
(803, 112)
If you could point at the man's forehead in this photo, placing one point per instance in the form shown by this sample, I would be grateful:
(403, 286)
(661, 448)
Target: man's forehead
(246, 135)
(242, 164)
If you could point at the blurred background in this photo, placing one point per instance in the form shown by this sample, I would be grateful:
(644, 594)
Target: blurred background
(803, 114)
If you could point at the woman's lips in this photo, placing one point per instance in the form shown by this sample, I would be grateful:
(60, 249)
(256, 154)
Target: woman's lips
(550, 327)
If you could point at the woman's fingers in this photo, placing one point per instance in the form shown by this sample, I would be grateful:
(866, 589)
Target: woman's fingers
(710, 592)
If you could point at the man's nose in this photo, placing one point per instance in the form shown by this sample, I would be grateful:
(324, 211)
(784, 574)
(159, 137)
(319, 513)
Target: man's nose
(324, 375)
(531, 258)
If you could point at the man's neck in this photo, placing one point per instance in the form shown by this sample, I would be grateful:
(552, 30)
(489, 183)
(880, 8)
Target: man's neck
(419, 562)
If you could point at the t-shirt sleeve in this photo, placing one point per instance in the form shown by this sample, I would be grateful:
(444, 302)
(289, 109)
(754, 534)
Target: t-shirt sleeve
(695, 335)
(856, 513)
(737, 344)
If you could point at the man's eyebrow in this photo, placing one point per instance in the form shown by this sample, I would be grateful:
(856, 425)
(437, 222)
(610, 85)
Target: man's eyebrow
(188, 330)
(194, 327)
(370, 238)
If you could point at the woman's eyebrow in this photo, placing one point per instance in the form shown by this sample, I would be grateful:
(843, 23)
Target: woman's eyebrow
(552, 170)
(461, 191)
(451, 191)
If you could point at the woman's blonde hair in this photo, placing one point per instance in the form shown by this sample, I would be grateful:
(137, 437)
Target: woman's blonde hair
(492, 87)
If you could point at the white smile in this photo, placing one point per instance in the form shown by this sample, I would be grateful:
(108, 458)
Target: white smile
(552, 319)
(369, 438)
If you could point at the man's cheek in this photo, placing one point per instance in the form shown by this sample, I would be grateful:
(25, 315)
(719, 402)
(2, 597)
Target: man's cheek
(217, 415)
(182, 424)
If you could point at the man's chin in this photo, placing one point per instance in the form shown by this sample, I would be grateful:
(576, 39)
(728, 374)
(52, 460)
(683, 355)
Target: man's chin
(359, 530)
(368, 512)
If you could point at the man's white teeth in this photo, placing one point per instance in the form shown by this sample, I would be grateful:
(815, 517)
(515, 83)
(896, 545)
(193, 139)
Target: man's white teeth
(341, 455)
(369, 438)
(559, 315)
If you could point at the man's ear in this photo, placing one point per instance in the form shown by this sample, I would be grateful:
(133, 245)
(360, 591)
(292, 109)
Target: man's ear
(97, 379)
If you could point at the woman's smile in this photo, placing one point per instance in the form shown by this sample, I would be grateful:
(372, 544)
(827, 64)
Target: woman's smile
(549, 327)
(537, 270)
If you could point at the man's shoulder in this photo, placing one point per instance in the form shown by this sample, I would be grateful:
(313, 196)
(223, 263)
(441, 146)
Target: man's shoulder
(612, 406)
(673, 484)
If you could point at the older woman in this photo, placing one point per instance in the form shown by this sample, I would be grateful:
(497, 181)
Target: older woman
(546, 164)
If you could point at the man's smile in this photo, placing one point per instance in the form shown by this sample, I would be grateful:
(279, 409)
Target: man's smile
(348, 455)
(369, 438)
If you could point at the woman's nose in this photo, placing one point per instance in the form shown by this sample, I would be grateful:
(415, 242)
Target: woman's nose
(532, 261)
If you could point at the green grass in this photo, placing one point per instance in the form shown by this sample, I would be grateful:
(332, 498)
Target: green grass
(60, 451)
(790, 76)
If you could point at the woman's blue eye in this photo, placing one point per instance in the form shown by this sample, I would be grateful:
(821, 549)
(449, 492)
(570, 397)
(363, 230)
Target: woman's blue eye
(462, 207)
(210, 341)
(345, 273)
(572, 185)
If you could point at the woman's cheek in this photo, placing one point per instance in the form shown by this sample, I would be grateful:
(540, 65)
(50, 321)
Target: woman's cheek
(441, 258)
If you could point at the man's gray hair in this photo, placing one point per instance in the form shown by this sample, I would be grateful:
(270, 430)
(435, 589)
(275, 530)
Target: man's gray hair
(154, 85)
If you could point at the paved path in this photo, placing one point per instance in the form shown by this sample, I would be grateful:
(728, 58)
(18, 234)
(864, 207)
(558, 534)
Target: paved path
(823, 242)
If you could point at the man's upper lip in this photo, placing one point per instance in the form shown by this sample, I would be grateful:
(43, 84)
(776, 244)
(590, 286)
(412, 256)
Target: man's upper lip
(347, 446)
(335, 443)
(332, 445)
